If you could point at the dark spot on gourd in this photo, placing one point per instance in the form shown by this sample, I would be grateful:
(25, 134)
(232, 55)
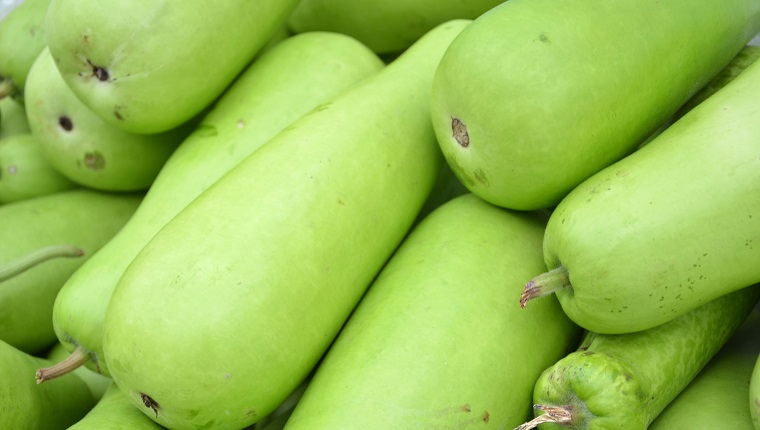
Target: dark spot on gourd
(94, 160)
(149, 403)
(101, 73)
(543, 38)
(250, 412)
(485, 417)
(466, 408)
(65, 123)
(459, 130)
(117, 113)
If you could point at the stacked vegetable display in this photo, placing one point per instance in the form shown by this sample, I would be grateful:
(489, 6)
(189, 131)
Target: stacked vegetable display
(385, 214)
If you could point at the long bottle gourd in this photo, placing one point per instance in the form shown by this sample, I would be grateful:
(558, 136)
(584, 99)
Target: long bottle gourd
(242, 292)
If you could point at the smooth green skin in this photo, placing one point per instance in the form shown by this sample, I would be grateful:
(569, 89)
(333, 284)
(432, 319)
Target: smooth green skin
(386, 26)
(12, 118)
(115, 412)
(623, 382)
(166, 60)
(242, 292)
(26, 405)
(669, 227)
(437, 343)
(738, 64)
(25, 172)
(297, 75)
(552, 92)
(98, 384)
(754, 395)
(81, 217)
(92, 152)
(22, 38)
(717, 397)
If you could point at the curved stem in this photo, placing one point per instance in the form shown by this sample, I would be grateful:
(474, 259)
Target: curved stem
(552, 414)
(545, 284)
(19, 265)
(78, 358)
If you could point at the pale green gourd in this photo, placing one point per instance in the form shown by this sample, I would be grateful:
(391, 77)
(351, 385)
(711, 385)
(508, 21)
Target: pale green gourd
(242, 292)
(148, 66)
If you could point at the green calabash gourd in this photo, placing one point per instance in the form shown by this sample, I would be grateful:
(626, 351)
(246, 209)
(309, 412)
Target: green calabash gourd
(82, 218)
(386, 26)
(12, 118)
(241, 293)
(623, 382)
(25, 172)
(22, 38)
(26, 405)
(666, 229)
(538, 95)
(297, 75)
(83, 147)
(717, 397)
(114, 412)
(436, 342)
(149, 66)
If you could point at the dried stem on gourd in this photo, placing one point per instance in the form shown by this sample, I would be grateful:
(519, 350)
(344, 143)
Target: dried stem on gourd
(552, 414)
(545, 284)
(78, 358)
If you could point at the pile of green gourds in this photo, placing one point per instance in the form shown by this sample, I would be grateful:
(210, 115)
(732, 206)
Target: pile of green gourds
(405, 214)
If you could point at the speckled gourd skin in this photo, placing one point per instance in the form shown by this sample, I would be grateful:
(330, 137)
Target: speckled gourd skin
(669, 227)
(623, 382)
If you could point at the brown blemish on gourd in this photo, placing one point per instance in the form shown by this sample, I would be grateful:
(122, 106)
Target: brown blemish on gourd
(149, 403)
(94, 160)
(117, 113)
(466, 408)
(99, 72)
(485, 417)
(459, 130)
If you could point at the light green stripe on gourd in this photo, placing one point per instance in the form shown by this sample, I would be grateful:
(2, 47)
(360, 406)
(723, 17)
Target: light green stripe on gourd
(669, 227)
(717, 397)
(623, 382)
(538, 95)
(81, 218)
(148, 66)
(436, 343)
(28, 406)
(298, 74)
(386, 26)
(25, 172)
(242, 292)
